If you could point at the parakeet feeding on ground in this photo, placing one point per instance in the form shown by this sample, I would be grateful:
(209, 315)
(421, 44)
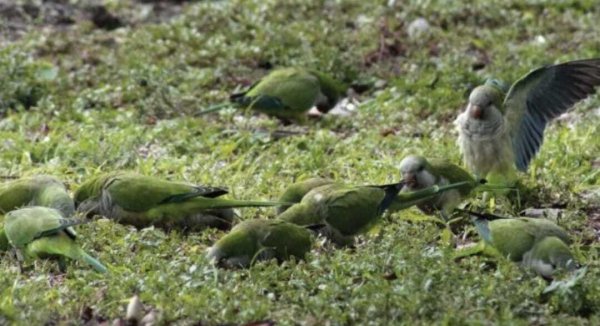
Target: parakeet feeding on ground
(295, 192)
(258, 239)
(419, 173)
(42, 232)
(502, 128)
(536, 243)
(289, 93)
(143, 201)
(346, 211)
(39, 190)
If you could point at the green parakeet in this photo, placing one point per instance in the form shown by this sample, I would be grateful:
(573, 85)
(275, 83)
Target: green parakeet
(290, 92)
(503, 128)
(40, 190)
(295, 192)
(537, 243)
(143, 201)
(346, 211)
(257, 239)
(419, 173)
(42, 232)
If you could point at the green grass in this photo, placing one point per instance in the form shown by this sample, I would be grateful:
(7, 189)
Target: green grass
(79, 101)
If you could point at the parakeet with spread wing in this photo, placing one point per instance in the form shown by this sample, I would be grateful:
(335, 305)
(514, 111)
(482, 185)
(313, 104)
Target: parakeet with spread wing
(502, 128)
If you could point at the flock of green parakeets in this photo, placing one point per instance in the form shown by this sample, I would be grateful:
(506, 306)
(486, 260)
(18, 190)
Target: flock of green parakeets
(501, 129)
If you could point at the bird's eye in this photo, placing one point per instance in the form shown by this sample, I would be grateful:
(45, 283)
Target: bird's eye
(421, 168)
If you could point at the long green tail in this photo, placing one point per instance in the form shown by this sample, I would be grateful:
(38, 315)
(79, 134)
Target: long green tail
(92, 262)
(214, 108)
(232, 203)
(407, 199)
(494, 187)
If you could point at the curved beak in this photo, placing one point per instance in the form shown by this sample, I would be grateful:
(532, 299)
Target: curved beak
(474, 111)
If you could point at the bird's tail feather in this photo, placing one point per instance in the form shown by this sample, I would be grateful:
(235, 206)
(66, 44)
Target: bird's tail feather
(232, 203)
(430, 191)
(408, 199)
(93, 262)
(495, 187)
(214, 108)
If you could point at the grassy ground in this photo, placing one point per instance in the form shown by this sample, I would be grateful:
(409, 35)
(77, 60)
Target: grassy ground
(79, 98)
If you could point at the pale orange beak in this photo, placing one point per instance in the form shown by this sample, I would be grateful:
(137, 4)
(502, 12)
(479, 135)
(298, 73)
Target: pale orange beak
(474, 111)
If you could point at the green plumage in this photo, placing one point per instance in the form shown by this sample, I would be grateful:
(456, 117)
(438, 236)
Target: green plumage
(419, 173)
(257, 239)
(538, 243)
(346, 211)
(143, 201)
(42, 232)
(40, 190)
(290, 92)
(514, 237)
(295, 192)
(501, 130)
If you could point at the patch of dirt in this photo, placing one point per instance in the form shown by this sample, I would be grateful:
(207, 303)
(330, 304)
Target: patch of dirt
(19, 18)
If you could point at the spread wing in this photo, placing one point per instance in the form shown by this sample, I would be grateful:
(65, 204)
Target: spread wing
(542, 95)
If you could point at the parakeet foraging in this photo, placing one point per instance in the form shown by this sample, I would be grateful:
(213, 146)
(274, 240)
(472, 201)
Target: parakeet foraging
(289, 93)
(42, 232)
(257, 239)
(502, 128)
(39, 190)
(346, 211)
(296, 191)
(144, 201)
(536, 243)
(419, 173)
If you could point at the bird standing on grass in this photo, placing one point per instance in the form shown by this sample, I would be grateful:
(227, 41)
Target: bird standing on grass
(345, 211)
(257, 239)
(296, 191)
(536, 243)
(39, 190)
(42, 232)
(144, 201)
(419, 173)
(502, 128)
(289, 93)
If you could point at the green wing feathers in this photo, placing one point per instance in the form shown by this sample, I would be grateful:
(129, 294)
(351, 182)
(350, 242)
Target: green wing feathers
(39, 190)
(62, 245)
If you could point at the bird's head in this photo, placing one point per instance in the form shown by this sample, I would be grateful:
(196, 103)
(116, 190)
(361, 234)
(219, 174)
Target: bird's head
(332, 89)
(485, 101)
(416, 172)
(549, 255)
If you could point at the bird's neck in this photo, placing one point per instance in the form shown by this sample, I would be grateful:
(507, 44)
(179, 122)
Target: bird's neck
(480, 129)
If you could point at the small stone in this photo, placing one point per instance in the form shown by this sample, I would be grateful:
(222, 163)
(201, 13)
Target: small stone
(418, 27)
(134, 309)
